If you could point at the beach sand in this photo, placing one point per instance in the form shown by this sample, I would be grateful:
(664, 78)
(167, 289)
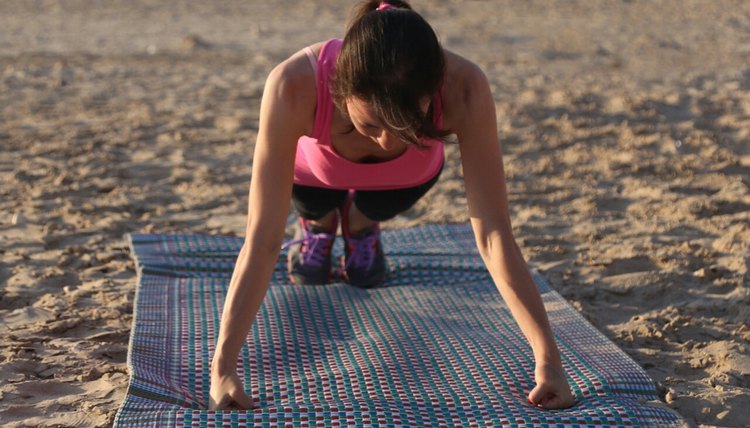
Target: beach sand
(625, 127)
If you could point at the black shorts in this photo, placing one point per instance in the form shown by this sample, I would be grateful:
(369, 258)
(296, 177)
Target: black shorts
(313, 203)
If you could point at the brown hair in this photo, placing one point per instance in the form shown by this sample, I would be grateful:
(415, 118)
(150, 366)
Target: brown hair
(391, 59)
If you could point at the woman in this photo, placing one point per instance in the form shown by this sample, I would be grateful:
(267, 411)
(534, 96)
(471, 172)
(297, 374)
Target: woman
(369, 114)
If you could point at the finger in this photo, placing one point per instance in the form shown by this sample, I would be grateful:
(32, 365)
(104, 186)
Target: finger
(567, 401)
(542, 398)
(536, 395)
(243, 401)
(221, 404)
(559, 401)
(211, 403)
(553, 402)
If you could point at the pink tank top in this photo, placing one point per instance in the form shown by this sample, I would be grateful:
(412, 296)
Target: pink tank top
(317, 163)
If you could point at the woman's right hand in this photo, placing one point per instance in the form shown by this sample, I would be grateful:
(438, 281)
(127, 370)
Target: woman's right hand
(228, 393)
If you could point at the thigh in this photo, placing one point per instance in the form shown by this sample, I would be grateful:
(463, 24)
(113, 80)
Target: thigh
(381, 205)
(313, 203)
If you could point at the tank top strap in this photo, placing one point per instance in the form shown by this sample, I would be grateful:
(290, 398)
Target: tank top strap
(437, 108)
(326, 67)
(313, 60)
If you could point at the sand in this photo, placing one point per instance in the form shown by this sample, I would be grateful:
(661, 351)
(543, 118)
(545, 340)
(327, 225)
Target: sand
(625, 127)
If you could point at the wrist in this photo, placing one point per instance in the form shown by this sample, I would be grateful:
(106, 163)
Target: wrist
(221, 364)
(547, 354)
(545, 368)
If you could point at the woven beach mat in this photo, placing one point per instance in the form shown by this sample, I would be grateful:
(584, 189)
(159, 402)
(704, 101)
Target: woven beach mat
(435, 346)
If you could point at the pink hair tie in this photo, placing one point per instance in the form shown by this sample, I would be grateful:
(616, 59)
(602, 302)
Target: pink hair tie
(385, 6)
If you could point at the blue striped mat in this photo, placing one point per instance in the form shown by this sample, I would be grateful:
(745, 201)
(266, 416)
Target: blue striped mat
(436, 346)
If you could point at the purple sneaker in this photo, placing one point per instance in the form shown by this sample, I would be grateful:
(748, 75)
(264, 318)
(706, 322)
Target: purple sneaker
(309, 257)
(364, 260)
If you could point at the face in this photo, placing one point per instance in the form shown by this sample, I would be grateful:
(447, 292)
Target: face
(367, 123)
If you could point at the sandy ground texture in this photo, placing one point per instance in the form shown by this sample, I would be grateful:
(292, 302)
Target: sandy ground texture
(625, 126)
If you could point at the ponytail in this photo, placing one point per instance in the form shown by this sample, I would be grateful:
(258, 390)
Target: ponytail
(369, 6)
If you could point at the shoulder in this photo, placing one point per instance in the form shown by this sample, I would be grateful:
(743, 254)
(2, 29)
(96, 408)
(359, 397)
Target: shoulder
(465, 90)
(462, 71)
(293, 78)
(291, 86)
(297, 70)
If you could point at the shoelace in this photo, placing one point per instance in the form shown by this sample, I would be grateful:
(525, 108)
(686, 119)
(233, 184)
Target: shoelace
(315, 247)
(362, 251)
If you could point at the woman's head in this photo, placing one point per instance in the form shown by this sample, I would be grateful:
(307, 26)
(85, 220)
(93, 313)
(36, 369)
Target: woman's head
(391, 59)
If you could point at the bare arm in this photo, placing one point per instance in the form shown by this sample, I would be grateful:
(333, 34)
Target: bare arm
(475, 125)
(285, 113)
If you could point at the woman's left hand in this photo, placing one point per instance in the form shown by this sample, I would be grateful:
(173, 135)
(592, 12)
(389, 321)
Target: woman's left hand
(552, 390)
